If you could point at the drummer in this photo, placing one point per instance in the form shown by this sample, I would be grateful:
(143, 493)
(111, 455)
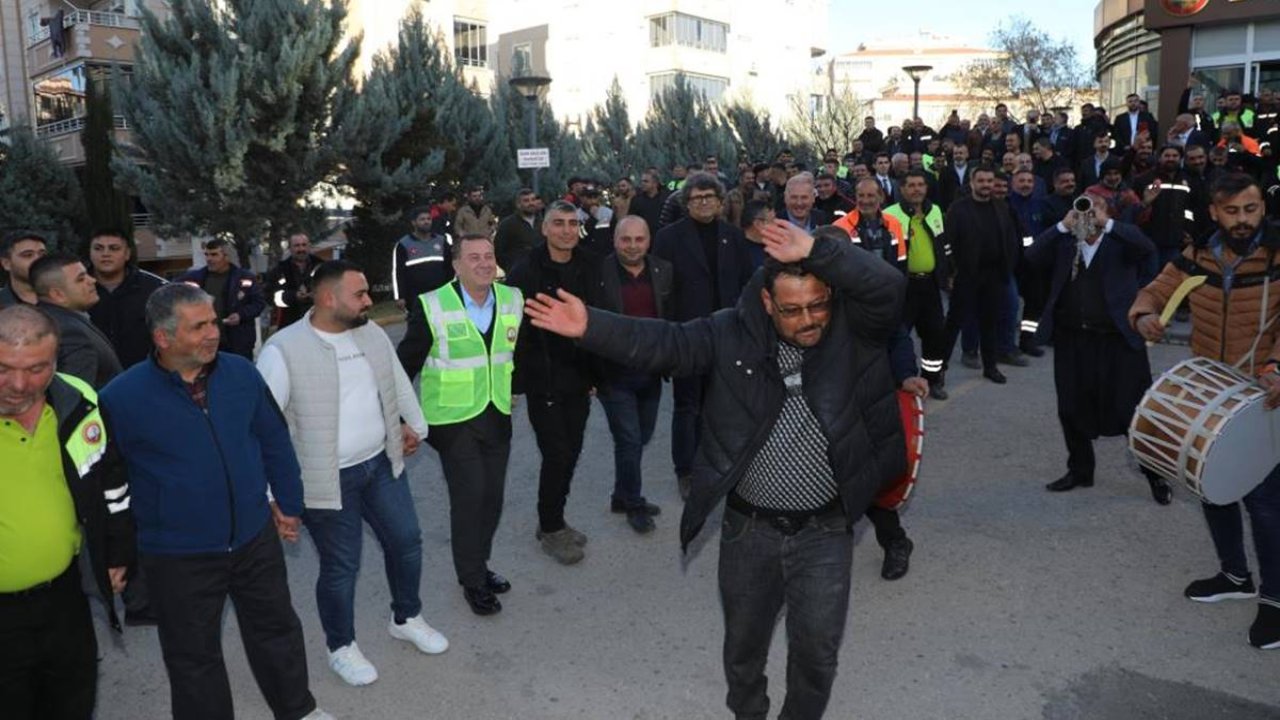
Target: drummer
(1240, 260)
(1100, 366)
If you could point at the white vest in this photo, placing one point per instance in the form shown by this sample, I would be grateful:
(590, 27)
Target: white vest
(313, 410)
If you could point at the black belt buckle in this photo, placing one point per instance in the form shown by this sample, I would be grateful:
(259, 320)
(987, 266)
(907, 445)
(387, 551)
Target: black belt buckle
(920, 276)
(789, 524)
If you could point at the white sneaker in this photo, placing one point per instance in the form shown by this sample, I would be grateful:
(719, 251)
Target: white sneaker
(352, 666)
(423, 636)
(319, 714)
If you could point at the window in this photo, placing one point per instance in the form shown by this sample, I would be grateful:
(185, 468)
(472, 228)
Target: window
(60, 96)
(470, 46)
(817, 105)
(522, 59)
(688, 31)
(710, 87)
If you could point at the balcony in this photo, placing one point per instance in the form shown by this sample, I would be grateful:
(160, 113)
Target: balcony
(105, 36)
(63, 137)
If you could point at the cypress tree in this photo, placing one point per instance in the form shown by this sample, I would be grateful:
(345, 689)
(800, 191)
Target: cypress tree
(105, 206)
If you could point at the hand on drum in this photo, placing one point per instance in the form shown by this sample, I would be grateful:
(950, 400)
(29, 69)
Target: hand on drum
(917, 386)
(1271, 383)
(1150, 327)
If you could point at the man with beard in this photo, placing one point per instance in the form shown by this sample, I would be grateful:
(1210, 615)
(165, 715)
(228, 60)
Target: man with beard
(647, 203)
(712, 264)
(237, 296)
(830, 201)
(475, 217)
(1127, 125)
(871, 138)
(953, 180)
(1100, 365)
(18, 251)
(802, 431)
(1029, 210)
(1167, 215)
(289, 282)
(1199, 176)
(353, 419)
(1058, 204)
(421, 260)
(1123, 204)
(519, 232)
(1090, 170)
(1239, 260)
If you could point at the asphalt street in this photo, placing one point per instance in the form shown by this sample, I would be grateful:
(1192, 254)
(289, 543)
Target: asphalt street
(1020, 604)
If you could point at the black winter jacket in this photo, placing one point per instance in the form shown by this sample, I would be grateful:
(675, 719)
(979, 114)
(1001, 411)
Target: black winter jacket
(121, 315)
(849, 384)
(545, 362)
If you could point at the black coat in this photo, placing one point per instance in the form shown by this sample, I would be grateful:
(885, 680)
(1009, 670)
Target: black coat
(693, 295)
(545, 362)
(514, 238)
(608, 295)
(1128, 262)
(242, 295)
(282, 283)
(121, 315)
(83, 350)
(848, 381)
(1121, 130)
(966, 237)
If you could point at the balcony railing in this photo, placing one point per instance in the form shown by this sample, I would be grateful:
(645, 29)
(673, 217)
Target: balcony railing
(141, 220)
(87, 17)
(64, 127)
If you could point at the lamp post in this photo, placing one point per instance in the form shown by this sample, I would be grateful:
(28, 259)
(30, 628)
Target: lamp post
(531, 87)
(916, 72)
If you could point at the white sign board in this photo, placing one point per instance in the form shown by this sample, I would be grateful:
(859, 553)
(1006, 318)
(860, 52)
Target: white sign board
(533, 158)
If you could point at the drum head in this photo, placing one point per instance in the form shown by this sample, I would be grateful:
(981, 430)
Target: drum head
(1244, 451)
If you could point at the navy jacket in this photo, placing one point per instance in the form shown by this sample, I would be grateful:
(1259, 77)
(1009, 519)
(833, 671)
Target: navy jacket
(242, 295)
(1128, 263)
(199, 480)
(693, 296)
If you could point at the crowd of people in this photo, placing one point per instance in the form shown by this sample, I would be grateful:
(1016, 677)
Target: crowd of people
(155, 449)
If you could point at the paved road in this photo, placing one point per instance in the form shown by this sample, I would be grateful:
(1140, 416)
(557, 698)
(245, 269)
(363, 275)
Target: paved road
(1019, 604)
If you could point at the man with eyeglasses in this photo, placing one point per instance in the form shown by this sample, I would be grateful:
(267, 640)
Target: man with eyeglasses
(712, 264)
(802, 430)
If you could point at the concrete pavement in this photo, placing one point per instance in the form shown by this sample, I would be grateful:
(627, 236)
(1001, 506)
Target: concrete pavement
(1020, 604)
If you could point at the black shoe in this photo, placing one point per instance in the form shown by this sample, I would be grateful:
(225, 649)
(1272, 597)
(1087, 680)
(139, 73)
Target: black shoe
(482, 600)
(141, 617)
(937, 393)
(496, 583)
(970, 360)
(685, 483)
(1264, 634)
(1160, 489)
(1068, 482)
(897, 559)
(995, 376)
(640, 521)
(1031, 349)
(1221, 587)
(1014, 359)
(617, 506)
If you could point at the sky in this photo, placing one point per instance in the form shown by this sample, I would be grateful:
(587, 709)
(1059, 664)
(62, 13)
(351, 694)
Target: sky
(856, 21)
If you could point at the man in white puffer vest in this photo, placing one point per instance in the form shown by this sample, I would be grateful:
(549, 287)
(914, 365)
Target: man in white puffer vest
(353, 417)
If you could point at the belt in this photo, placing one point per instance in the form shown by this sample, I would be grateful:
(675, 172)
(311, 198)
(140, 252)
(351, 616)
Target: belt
(784, 521)
(1099, 328)
(920, 276)
(41, 588)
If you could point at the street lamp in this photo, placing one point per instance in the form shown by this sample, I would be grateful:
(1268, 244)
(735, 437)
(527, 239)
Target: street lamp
(531, 87)
(916, 72)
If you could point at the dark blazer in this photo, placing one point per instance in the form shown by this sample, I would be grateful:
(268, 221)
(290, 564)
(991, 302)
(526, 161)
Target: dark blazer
(243, 295)
(1121, 131)
(964, 232)
(1128, 263)
(608, 296)
(950, 185)
(514, 238)
(1087, 174)
(83, 351)
(693, 295)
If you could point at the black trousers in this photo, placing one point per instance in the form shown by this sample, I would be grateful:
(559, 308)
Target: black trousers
(922, 312)
(1033, 285)
(559, 422)
(188, 593)
(49, 655)
(888, 525)
(474, 455)
(980, 295)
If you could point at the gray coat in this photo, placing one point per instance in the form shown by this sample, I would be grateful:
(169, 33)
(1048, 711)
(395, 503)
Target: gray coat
(83, 351)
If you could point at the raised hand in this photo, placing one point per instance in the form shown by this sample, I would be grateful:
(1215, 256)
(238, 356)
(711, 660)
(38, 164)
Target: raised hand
(786, 243)
(565, 316)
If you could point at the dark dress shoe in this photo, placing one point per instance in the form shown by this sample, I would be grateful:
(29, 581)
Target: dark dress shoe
(640, 521)
(482, 600)
(1068, 482)
(496, 583)
(140, 617)
(616, 505)
(1160, 489)
(897, 559)
(1013, 359)
(937, 393)
(1031, 349)
(995, 376)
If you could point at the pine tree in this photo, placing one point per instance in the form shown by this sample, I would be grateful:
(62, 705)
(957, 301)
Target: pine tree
(38, 192)
(564, 147)
(607, 140)
(105, 206)
(230, 105)
(753, 132)
(682, 127)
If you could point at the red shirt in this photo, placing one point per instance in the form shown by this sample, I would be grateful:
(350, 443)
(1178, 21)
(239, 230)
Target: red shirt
(637, 293)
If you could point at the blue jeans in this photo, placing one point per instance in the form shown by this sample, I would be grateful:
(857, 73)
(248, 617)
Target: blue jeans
(1227, 529)
(369, 493)
(631, 404)
(763, 570)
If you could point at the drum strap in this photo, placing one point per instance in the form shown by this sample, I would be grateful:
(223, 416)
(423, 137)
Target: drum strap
(1263, 322)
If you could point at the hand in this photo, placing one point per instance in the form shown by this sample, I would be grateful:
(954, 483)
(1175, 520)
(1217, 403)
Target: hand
(232, 320)
(1150, 327)
(410, 439)
(400, 304)
(1149, 195)
(286, 527)
(117, 577)
(917, 386)
(1271, 383)
(787, 243)
(565, 316)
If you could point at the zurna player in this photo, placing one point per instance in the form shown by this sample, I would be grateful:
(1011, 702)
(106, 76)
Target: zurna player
(1240, 262)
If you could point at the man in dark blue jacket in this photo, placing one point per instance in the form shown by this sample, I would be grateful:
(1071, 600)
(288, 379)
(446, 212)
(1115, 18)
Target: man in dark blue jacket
(712, 263)
(802, 429)
(237, 296)
(204, 441)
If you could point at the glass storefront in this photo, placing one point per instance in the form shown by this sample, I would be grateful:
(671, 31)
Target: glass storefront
(1244, 57)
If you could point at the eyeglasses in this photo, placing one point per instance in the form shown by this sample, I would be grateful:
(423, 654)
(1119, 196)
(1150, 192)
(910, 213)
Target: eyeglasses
(703, 199)
(822, 307)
